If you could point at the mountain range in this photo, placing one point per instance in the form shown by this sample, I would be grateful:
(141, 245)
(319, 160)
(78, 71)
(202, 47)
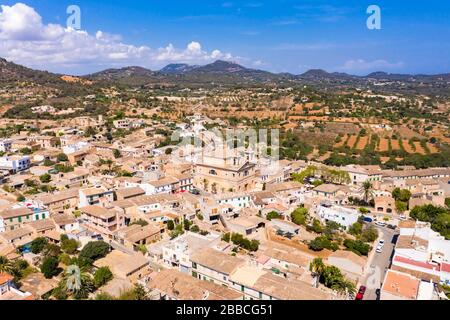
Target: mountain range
(218, 73)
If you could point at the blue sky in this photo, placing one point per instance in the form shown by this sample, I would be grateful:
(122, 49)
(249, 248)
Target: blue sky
(280, 36)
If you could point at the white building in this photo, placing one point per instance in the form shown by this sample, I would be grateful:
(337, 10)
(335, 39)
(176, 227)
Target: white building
(341, 215)
(15, 163)
(75, 147)
(238, 201)
(5, 145)
(95, 195)
(422, 251)
(177, 253)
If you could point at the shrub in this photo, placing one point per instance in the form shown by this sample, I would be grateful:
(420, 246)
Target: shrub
(369, 235)
(273, 215)
(358, 247)
(355, 229)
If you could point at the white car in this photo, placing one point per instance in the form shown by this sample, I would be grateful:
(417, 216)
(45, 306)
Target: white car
(402, 218)
(380, 223)
(379, 249)
(381, 243)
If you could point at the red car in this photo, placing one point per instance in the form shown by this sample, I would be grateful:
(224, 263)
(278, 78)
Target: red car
(361, 293)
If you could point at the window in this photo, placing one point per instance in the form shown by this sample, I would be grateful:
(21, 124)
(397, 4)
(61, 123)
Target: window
(260, 295)
(242, 288)
(20, 219)
(194, 265)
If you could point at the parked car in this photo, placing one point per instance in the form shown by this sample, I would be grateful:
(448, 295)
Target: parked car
(403, 217)
(379, 249)
(195, 192)
(391, 226)
(368, 219)
(381, 243)
(380, 223)
(361, 292)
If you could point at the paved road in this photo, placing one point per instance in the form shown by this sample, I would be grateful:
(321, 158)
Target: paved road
(380, 263)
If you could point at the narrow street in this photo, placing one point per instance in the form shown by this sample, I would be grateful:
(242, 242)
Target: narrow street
(380, 263)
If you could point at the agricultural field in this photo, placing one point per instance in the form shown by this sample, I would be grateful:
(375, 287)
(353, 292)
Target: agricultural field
(383, 145)
(363, 141)
(352, 141)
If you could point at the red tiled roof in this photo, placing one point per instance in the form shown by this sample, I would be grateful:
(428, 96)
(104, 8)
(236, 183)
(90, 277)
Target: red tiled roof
(5, 277)
(425, 265)
(445, 267)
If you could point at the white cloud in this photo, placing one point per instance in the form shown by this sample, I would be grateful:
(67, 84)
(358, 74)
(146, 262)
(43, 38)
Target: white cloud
(361, 65)
(25, 39)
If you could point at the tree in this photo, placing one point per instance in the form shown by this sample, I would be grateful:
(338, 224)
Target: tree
(367, 191)
(187, 224)
(317, 266)
(6, 266)
(447, 202)
(401, 206)
(226, 237)
(95, 250)
(69, 246)
(38, 244)
(62, 157)
(316, 227)
(137, 293)
(170, 225)
(358, 247)
(49, 267)
(45, 178)
(78, 282)
(300, 216)
(26, 151)
(102, 276)
(51, 250)
(322, 242)
(331, 277)
(30, 183)
(369, 235)
(273, 215)
(439, 218)
(402, 195)
(355, 229)
(20, 198)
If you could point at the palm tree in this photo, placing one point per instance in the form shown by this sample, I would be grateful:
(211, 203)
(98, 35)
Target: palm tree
(367, 190)
(78, 282)
(344, 287)
(316, 267)
(5, 265)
